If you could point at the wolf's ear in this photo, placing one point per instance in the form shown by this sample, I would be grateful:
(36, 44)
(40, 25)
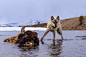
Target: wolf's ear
(52, 17)
(57, 17)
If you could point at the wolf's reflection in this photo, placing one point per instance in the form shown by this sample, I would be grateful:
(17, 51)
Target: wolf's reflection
(55, 49)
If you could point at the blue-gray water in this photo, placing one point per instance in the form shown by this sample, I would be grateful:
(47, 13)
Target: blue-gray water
(71, 46)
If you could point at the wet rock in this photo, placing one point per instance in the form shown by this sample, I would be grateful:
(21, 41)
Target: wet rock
(83, 38)
(28, 38)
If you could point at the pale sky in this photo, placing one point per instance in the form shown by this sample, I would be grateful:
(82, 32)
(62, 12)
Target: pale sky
(12, 11)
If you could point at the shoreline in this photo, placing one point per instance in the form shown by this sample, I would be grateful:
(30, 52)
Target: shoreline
(19, 28)
(29, 28)
(73, 29)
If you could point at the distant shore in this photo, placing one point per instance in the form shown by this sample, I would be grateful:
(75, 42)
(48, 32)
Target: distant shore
(67, 24)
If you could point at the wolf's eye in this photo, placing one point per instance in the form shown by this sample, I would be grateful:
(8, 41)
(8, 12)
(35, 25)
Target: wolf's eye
(55, 22)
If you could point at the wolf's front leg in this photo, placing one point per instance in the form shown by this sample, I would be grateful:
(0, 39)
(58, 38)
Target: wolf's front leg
(61, 34)
(44, 34)
(53, 35)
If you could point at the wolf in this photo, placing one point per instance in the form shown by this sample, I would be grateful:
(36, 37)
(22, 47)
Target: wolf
(53, 25)
(23, 30)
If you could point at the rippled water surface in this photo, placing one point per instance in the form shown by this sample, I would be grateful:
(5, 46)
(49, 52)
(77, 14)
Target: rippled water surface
(71, 46)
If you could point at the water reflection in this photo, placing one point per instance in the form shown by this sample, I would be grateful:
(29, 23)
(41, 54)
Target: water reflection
(69, 47)
(56, 48)
(28, 48)
(24, 55)
(28, 52)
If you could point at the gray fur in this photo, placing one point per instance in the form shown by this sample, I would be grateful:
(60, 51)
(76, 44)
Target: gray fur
(53, 25)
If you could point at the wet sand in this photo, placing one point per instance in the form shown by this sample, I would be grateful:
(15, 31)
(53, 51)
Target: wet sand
(71, 46)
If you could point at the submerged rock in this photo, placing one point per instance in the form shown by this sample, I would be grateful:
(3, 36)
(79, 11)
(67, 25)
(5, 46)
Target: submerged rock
(28, 38)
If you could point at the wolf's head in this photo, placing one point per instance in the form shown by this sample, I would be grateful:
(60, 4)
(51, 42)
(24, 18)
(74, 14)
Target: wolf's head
(55, 20)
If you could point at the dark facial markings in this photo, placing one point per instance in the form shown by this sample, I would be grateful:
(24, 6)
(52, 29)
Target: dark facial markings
(55, 22)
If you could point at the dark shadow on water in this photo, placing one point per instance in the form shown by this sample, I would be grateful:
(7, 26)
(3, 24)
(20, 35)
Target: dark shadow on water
(81, 37)
(61, 39)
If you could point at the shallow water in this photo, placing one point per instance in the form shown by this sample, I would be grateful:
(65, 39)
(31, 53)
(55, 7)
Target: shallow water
(71, 46)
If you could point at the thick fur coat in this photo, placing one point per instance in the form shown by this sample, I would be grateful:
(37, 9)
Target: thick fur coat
(53, 25)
